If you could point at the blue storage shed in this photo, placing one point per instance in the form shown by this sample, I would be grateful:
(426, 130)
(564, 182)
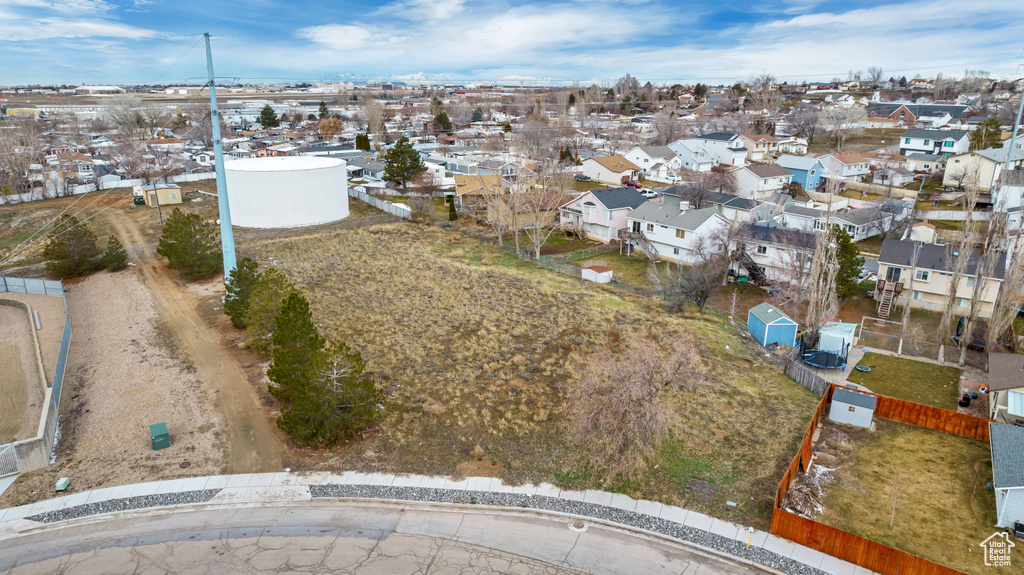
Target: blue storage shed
(770, 326)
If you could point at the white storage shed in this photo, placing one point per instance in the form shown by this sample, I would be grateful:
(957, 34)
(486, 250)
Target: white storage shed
(852, 407)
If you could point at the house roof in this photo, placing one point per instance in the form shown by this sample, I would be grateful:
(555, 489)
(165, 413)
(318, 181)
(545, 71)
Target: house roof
(372, 165)
(859, 217)
(670, 216)
(850, 397)
(768, 170)
(887, 108)
(723, 136)
(477, 183)
(1005, 371)
(760, 137)
(932, 256)
(802, 211)
(664, 152)
(797, 162)
(847, 157)
(764, 234)
(769, 314)
(600, 269)
(617, 164)
(999, 154)
(934, 134)
(925, 157)
(622, 197)
(1006, 443)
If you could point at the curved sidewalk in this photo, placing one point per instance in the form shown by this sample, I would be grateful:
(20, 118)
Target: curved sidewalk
(613, 509)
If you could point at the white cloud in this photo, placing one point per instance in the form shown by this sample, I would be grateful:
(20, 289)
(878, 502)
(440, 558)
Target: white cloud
(424, 10)
(63, 6)
(46, 28)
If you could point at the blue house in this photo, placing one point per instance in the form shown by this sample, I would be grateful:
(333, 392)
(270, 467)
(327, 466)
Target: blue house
(770, 326)
(807, 171)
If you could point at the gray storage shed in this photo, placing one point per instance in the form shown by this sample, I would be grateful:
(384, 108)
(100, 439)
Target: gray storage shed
(852, 407)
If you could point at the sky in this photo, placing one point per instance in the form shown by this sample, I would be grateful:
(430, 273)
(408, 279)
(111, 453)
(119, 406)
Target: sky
(280, 41)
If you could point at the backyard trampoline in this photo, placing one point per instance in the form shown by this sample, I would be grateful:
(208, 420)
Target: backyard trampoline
(824, 359)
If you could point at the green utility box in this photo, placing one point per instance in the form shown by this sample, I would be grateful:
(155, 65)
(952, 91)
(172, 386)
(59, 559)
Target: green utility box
(160, 436)
(140, 201)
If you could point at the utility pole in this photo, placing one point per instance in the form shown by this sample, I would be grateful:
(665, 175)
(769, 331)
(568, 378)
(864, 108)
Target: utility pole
(227, 238)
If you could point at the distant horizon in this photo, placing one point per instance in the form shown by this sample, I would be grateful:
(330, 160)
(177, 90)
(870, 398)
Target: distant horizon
(156, 42)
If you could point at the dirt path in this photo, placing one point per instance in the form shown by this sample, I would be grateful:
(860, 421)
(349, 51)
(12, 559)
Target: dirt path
(253, 445)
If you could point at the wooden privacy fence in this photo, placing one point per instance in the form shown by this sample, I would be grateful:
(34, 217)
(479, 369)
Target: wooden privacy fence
(847, 546)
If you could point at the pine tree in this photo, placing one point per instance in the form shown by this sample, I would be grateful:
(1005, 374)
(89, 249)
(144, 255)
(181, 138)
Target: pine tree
(478, 115)
(260, 316)
(363, 142)
(190, 245)
(295, 343)
(443, 122)
(987, 134)
(452, 214)
(850, 262)
(903, 81)
(268, 118)
(324, 112)
(115, 258)
(71, 250)
(402, 163)
(335, 402)
(238, 290)
(566, 157)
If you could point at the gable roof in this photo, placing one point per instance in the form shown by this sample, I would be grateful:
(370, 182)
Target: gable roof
(722, 136)
(797, 162)
(617, 164)
(847, 158)
(760, 138)
(769, 314)
(850, 397)
(621, 197)
(768, 170)
(802, 211)
(1007, 450)
(663, 152)
(933, 257)
(860, 216)
(887, 108)
(1005, 371)
(934, 134)
(670, 216)
(764, 234)
(999, 154)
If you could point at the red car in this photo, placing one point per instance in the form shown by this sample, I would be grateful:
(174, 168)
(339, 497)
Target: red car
(634, 184)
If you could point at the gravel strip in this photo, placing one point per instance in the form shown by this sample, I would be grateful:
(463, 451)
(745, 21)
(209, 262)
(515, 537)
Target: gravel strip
(125, 504)
(631, 518)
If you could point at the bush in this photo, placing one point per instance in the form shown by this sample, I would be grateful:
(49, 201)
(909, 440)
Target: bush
(295, 342)
(260, 315)
(190, 246)
(115, 258)
(239, 289)
(71, 250)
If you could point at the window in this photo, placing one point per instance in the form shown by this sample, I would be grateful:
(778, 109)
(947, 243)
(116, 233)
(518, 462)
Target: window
(961, 302)
(970, 283)
(762, 250)
(650, 227)
(921, 275)
(908, 140)
(675, 251)
(680, 233)
(852, 408)
(947, 144)
(1015, 403)
(918, 295)
(926, 142)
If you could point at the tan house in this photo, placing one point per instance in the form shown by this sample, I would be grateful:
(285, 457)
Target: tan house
(159, 194)
(471, 191)
(760, 146)
(980, 168)
(1006, 387)
(611, 169)
(933, 273)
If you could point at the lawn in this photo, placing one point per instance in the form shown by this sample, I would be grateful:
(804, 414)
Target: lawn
(475, 348)
(916, 381)
(943, 509)
(872, 245)
(588, 185)
(632, 269)
(866, 140)
(359, 209)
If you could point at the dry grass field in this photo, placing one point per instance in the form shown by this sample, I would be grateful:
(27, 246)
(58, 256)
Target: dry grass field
(474, 349)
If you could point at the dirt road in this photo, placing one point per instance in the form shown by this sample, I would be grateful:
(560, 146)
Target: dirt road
(253, 444)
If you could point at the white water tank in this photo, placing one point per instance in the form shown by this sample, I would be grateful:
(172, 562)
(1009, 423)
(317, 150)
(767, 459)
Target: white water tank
(286, 191)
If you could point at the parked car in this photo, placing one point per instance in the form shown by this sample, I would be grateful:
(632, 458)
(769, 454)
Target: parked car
(581, 178)
(649, 194)
(634, 184)
(672, 178)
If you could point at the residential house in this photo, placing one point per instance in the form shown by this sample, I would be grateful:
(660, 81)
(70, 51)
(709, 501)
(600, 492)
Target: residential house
(921, 84)
(980, 168)
(769, 255)
(726, 146)
(896, 177)
(657, 162)
(760, 146)
(932, 272)
(601, 213)
(946, 143)
(692, 156)
(801, 218)
(807, 170)
(792, 145)
(908, 114)
(759, 181)
(1006, 388)
(737, 209)
(863, 223)
(471, 191)
(682, 236)
(850, 166)
(926, 163)
(611, 169)
(365, 169)
(1009, 197)
(76, 167)
(1005, 443)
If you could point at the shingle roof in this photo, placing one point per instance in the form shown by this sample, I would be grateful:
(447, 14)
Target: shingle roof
(670, 216)
(617, 164)
(934, 134)
(768, 313)
(886, 109)
(623, 197)
(1005, 371)
(1007, 449)
(802, 211)
(723, 136)
(659, 152)
(931, 256)
(797, 162)
(859, 217)
(768, 170)
(999, 154)
(767, 235)
(850, 397)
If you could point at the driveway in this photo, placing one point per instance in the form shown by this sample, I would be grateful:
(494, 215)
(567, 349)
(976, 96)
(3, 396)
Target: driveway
(353, 538)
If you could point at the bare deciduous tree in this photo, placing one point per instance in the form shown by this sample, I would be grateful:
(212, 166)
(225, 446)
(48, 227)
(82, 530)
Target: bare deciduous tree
(694, 282)
(1010, 298)
(840, 122)
(20, 147)
(763, 95)
(875, 75)
(124, 113)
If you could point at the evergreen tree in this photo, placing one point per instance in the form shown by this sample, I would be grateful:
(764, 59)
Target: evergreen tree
(363, 142)
(566, 157)
(71, 250)
(988, 134)
(850, 262)
(260, 315)
(190, 245)
(611, 93)
(268, 118)
(335, 402)
(115, 258)
(295, 344)
(700, 90)
(572, 98)
(444, 123)
(903, 82)
(324, 112)
(402, 163)
(452, 214)
(478, 115)
(238, 290)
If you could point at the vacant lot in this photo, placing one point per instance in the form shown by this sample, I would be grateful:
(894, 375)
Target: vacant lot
(916, 381)
(943, 509)
(473, 348)
(124, 373)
